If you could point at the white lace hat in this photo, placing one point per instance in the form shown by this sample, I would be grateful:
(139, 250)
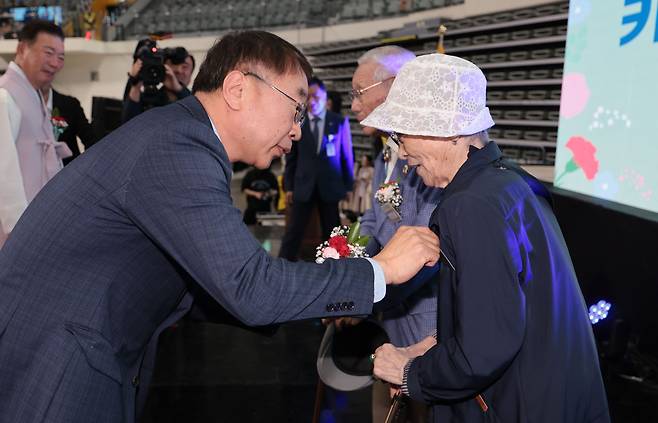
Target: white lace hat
(435, 95)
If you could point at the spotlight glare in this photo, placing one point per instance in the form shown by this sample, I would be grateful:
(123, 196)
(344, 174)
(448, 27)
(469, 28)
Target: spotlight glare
(599, 311)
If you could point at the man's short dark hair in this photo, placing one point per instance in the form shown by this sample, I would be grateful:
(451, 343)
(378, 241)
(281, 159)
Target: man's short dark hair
(317, 81)
(33, 28)
(238, 50)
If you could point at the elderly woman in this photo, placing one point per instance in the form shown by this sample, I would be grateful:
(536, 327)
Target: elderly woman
(514, 341)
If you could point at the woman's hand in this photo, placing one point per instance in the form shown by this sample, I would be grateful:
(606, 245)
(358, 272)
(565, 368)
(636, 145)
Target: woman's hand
(389, 360)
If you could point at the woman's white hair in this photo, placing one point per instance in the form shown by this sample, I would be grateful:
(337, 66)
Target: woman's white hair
(389, 58)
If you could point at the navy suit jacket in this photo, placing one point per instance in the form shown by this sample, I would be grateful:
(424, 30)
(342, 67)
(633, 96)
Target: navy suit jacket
(111, 250)
(332, 175)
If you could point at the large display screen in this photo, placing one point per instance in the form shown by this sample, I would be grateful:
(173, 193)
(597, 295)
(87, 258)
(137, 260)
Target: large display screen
(49, 13)
(608, 135)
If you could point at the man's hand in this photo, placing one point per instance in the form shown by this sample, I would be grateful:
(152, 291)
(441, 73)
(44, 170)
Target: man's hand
(171, 82)
(289, 197)
(390, 360)
(135, 92)
(411, 248)
(136, 67)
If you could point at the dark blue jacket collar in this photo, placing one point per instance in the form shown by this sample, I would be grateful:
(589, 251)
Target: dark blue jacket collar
(478, 158)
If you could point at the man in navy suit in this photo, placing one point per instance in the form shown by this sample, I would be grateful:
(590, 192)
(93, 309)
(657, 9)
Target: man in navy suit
(319, 170)
(112, 250)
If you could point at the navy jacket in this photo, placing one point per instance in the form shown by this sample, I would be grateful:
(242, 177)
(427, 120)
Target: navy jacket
(332, 175)
(512, 323)
(111, 251)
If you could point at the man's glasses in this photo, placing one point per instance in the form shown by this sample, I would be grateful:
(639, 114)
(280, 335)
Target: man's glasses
(354, 94)
(300, 108)
(396, 138)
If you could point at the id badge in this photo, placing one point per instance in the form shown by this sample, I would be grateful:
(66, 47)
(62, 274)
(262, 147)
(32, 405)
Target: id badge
(391, 213)
(331, 149)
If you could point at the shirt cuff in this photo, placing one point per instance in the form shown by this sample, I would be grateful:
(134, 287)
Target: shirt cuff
(379, 290)
(405, 373)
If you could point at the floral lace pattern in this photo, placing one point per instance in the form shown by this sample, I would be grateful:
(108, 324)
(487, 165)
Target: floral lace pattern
(435, 95)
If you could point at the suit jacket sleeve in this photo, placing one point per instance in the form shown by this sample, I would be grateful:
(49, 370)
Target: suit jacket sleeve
(488, 303)
(291, 168)
(347, 158)
(84, 130)
(179, 196)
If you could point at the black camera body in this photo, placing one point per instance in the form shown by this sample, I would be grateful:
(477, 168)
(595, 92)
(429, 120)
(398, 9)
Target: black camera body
(153, 70)
(152, 73)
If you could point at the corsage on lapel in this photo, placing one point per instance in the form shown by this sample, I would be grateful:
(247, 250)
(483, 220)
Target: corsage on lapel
(59, 124)
(389, 198)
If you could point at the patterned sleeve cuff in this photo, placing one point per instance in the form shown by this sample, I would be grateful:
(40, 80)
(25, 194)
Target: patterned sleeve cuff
(405, 388)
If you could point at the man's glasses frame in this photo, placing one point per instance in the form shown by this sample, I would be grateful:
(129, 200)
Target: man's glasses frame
(396, 138)
(354, 94)
(300, 108)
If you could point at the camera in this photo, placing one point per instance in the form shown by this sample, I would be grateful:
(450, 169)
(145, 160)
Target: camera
(153, 58)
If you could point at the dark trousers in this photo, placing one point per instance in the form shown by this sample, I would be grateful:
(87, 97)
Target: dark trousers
(301, 213)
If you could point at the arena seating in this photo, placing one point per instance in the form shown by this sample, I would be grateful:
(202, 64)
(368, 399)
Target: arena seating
(210, 16)
(520, 51)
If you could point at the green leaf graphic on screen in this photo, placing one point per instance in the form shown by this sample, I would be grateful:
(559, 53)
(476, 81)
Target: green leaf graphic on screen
(571, 166)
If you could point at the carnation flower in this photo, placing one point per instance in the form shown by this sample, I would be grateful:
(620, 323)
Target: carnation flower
(344, 242)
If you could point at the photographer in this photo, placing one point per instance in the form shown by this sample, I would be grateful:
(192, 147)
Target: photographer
(260, 187)
(156, 78)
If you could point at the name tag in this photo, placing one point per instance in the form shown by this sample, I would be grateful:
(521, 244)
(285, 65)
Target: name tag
(331, 149)
(391, 213)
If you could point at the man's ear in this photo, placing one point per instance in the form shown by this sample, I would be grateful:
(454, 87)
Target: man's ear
(233, 89)
(20, 49)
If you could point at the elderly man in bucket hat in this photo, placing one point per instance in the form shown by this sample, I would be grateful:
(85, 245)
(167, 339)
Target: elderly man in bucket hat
(514, 340)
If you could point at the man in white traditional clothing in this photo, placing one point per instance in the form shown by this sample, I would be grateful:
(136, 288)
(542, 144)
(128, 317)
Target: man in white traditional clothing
(29, 154)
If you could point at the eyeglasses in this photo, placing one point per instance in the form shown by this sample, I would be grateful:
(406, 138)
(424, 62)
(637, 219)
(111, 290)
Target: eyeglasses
(300, 108)
(397, 138)
(354, 94)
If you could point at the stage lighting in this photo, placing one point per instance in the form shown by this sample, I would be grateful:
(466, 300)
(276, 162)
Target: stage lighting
(599, 311)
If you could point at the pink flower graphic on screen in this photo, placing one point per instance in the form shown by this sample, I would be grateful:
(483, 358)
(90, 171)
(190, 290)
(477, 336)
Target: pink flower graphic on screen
(584, 157)
(575, 95)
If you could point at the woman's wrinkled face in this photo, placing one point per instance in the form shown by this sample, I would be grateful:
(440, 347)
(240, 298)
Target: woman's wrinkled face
(436, 159)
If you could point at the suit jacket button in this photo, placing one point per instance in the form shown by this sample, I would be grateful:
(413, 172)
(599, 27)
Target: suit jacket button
(350, 305)
(343, 307)
(330, 307)
(135, 381)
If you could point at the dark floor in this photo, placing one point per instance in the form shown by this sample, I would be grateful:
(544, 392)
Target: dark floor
(219, 373)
